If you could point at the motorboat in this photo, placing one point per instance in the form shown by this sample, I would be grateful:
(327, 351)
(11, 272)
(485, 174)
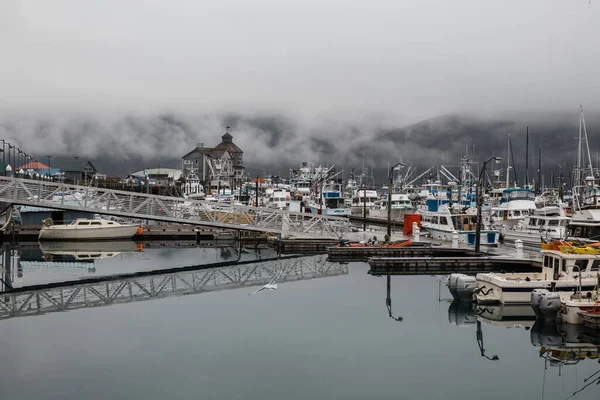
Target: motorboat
(515, 205)
(87, 229)
(278, 198)
(560, 272)
(331, 201)
(445, 221)
(547, 223)
(364, 198)
(401, 205)
(585, 225)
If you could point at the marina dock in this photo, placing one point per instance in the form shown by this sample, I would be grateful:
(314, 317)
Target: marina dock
(447, 265)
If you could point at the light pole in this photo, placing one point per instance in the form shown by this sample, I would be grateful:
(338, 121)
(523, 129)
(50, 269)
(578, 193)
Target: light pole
(480, 203)
(49, 166)
(389, 201)
(9, 147)
(3, 157)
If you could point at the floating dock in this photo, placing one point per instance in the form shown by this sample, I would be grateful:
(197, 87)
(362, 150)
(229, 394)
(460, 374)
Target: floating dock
(364, 253)
(448, 265)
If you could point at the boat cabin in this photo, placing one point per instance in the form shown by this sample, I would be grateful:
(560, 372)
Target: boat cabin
(570, 265)
(512, 194)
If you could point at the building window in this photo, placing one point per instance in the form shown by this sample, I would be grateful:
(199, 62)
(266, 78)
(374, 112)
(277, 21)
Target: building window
(187, 162)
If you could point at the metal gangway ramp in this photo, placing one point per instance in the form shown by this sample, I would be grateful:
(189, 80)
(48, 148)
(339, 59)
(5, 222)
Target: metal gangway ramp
(169, 209)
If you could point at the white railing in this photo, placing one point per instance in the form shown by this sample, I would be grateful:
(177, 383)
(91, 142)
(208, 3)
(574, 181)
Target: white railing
(170, 209)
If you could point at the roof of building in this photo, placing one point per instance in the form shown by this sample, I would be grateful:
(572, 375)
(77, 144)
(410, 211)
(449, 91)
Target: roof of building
(33, 165)
(217, 151)
(75, 165)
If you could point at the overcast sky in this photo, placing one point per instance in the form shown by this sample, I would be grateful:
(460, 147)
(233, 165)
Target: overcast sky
(392, 61)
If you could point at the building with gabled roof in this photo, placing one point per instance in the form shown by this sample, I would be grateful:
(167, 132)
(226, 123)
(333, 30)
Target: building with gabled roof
(78, 171)
(224, 162)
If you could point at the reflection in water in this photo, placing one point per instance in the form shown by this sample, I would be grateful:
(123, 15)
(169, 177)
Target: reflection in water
(53, 262)
(151, 286)
(560, 346)
(461, 313)
(566, 345)
(506, 315)
(86, 251)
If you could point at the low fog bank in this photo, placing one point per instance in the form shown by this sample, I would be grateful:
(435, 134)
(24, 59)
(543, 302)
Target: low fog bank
(274, 143)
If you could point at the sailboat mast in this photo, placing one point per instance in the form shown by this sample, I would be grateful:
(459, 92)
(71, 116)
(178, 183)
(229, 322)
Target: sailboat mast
(540, 183)
(587, 145)
(508, 161)
(527, 159)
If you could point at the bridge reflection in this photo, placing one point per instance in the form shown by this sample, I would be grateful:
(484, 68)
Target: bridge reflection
(106, 291)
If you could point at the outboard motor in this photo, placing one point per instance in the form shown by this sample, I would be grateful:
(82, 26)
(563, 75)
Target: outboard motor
(536, 295)
(550, 304)
(462, 287)
(452, 284)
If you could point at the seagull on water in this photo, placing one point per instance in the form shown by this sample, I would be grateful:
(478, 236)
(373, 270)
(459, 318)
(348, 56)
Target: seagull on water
(269, 286)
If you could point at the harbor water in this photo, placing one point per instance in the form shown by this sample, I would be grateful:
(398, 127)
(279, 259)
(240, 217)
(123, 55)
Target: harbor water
(328, 331)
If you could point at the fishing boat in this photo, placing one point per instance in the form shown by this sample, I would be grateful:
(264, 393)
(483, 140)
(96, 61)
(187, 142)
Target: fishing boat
(445, 221)
(362, 196)
(547, 223)
(278, 198)
(87, 229)
(401, 205)
(560, 272)
(330, 201)
(515, 205)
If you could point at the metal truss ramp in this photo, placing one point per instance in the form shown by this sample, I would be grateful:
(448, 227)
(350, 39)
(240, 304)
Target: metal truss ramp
(169, 209)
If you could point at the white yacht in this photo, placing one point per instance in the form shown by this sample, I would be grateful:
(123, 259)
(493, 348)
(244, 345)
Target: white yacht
(547, 223)
(559, 271)
(515, 205)
(87, 229)
(585, 225)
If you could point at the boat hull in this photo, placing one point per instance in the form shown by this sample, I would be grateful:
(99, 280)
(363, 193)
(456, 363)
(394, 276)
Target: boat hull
(486, 237)
(572, 310)
(517, 290)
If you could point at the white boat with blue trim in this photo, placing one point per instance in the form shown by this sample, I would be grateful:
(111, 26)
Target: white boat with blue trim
(441, 221)
(331, 201)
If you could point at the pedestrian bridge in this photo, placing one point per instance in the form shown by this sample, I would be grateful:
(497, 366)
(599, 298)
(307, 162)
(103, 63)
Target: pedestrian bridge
(169, 209)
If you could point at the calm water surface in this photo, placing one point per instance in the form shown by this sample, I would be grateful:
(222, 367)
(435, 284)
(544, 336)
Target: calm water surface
(325, 333)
